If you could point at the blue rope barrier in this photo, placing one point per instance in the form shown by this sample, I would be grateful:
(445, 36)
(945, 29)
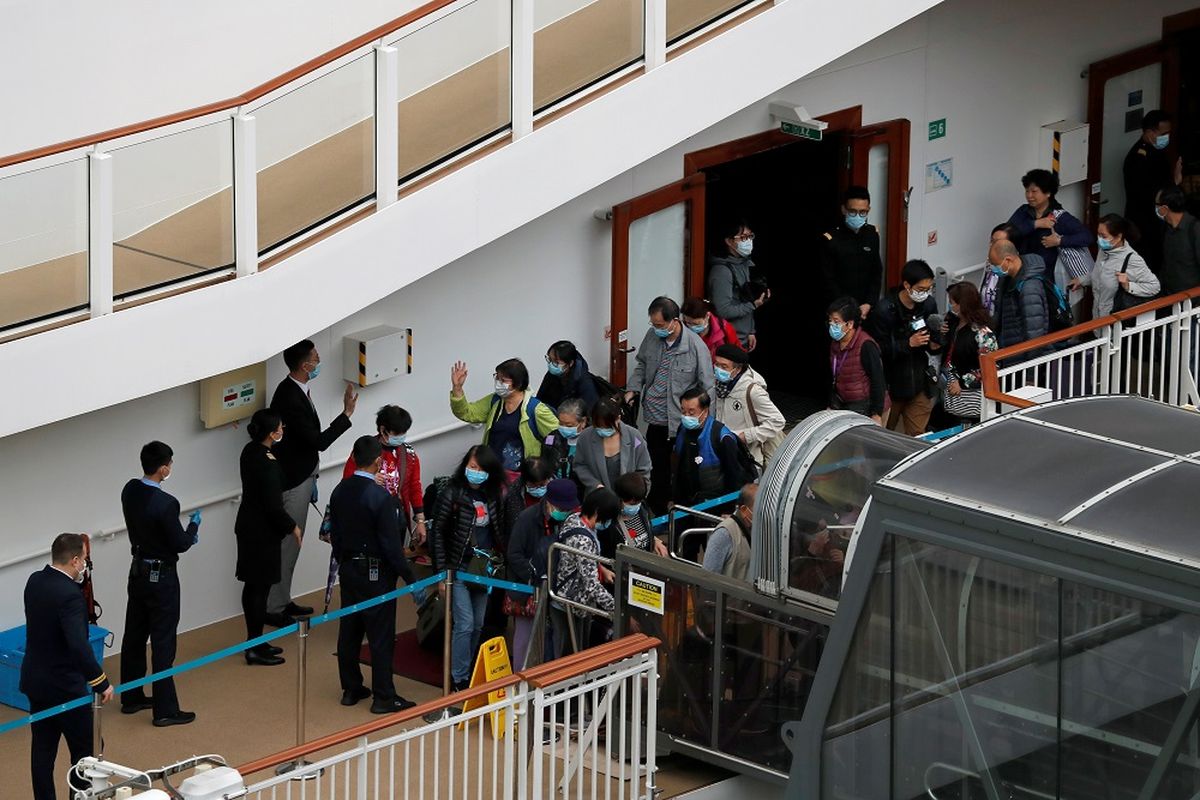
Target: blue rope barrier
(658, 522)
(224, 653)
(468, 577)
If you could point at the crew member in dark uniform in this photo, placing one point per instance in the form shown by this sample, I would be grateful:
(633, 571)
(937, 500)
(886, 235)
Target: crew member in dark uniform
(365, 531)
(1147, 171)
(156, 539)
(59, 665)
(850, 258)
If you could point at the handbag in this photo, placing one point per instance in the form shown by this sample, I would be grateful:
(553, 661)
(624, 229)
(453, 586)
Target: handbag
(968, 402)
(1123, 300)
(520, 608)
(1077, 261)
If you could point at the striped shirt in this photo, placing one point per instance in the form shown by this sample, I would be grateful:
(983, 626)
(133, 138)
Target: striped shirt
(657, 393)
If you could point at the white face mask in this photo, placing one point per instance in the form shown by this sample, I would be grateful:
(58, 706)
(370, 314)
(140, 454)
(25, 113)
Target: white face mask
(82, 575)
(918, 297)
(502, 389)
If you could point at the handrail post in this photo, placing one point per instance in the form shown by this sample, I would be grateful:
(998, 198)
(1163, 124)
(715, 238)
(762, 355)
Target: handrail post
(100, 234)
(654, 33)
(245, 195)
(387, 126)
(301, 676)
(447, 595)
(97, 727)
(522, 68)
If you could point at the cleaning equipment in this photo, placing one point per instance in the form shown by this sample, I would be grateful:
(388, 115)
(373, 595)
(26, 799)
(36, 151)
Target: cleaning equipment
(211, 780)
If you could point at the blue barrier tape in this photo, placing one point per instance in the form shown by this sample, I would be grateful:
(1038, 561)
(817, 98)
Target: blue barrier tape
(937, 436)
(658, 522)
(223, 653)
(469, 577)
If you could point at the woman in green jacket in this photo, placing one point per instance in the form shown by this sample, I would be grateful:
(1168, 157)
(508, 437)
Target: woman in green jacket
(514, 421)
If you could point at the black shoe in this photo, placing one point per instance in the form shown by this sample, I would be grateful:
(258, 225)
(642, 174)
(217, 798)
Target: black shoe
(271, 649)
(278, 620)
(178, 718)
(455, 686)
(292, 609)
(397, 703)
(136, 706)
(264, 659)
(352, 696)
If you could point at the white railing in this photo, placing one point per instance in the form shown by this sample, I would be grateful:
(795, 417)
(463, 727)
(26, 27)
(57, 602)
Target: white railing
(1152, 351)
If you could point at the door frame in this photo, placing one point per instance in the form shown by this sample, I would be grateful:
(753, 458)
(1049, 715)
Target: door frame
(844, 121)
(896, 134)
(690, 190)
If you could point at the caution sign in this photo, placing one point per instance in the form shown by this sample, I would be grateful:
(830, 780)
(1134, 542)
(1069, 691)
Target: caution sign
(491, 663)
(647, 593)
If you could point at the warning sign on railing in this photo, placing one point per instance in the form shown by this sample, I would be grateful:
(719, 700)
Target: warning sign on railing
(647, 593)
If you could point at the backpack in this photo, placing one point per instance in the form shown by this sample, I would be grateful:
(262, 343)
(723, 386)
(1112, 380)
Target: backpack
(429, 500)
(1057, 305)
(746, 462)
(605, 390)
(531, 416)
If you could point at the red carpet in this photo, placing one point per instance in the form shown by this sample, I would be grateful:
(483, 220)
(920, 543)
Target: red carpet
(410, 660)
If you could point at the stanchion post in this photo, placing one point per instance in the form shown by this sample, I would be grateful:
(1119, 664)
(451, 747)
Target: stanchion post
(301, 676)
(448, 588)
(97, 727)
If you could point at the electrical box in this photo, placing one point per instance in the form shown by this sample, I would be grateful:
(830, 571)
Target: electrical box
(234, 395)
(377, 354)
(1064, 150)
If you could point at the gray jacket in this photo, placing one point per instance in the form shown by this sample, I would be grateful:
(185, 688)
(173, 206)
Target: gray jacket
(692, 366)
(1103, 279)
(726, 277)
(590, 465)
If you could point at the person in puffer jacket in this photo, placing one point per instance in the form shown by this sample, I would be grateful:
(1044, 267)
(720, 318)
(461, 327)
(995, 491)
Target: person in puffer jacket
(1022, 310)
(583, 580)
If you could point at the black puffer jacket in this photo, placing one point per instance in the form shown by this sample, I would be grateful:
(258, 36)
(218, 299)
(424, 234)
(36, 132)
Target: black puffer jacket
(454, 523)
(1022, 312)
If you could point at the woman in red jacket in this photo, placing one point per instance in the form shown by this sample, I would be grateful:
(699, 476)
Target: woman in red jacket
(698, 315)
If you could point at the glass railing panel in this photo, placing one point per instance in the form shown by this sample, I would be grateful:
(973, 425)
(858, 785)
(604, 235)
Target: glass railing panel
(172, 208)
(316, 152)
(454, 87)
(688, 16)
(43, 242)
(579, 42)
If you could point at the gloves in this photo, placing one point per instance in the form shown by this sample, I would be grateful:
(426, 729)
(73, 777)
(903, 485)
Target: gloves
(195, 518)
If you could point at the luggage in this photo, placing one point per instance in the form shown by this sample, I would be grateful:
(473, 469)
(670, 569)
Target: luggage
(431, 618)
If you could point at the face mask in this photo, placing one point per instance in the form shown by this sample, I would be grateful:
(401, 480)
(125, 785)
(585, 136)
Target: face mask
(696, 329)
(1158, 213)
(82, 575)
(314, 372)
(1161, 141)
(277, 438)
(918, 297)
(536, 491)
(555, 368)
(691, 423)
(558, 515)
(605, 433)
(997, 269)
(395, 441)
(603, 526)
(475, 477)
(502, 389)
(661, 333)
(631, 511)
(164, 478)
(855, 222)
(1104, 244)
(836, 332)
(723, 375)
(569, 433)
(745, 248)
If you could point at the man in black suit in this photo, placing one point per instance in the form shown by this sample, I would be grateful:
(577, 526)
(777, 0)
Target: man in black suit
(365, 534)
(298, 453)
(156, 538)
(59, 665)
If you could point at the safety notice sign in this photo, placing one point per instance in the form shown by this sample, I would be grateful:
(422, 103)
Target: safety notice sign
(240, 395)
(647, 593)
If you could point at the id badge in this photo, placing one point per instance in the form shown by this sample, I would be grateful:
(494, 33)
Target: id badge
(154, 574)
(373, 569)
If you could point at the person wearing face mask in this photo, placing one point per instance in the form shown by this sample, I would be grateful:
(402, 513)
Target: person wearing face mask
(1180, 270)
(583, 580)
(969, 336)
(1147, 170)
(728, 547)
(635, 528)
(735, 294)
(560, 447)
(1121, 279)
(609, 449)
(1043, 226)
(530, 488)
(59, 665)
(515, 422)
(1022, 310)
(744, 405)
(670, 360)
(536, 528)
(567, 377)
(900, 325)
(850, 260)
(156, 538)
(859, 381)
(297, 456)
(700, 320)
(262, 523)
(467, 518)
(991, 278)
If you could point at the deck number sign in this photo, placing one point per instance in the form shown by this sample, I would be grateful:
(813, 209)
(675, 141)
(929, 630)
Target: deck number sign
(937, 129)
(647, 593)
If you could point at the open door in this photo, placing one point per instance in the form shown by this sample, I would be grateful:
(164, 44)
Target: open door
(879, 161)
(657, 249)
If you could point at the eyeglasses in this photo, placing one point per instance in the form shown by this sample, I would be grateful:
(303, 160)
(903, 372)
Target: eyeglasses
(744, 237)
(853, 213)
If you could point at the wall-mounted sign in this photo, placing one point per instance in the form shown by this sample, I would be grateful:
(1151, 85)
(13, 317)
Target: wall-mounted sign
(811, 132)
(647, 593)
(937, 129)
(939, 175)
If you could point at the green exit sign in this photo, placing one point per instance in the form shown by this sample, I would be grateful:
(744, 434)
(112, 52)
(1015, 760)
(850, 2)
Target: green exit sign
(801, 131)
(937, 129)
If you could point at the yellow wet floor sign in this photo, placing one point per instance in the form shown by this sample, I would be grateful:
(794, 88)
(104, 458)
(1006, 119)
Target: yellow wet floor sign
(491, 663)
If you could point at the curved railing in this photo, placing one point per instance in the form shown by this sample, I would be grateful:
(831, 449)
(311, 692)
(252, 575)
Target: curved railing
(107, 221)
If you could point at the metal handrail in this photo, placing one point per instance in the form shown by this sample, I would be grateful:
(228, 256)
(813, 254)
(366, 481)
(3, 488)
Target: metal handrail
(695, 512)
(599, 559)
(685, 535)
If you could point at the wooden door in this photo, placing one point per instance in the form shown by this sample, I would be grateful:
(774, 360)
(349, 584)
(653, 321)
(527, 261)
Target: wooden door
(879, 161)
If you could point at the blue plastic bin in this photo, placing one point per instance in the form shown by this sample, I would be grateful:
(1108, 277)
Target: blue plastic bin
(12, 653)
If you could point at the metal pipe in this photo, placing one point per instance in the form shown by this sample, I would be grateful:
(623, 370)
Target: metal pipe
(301, 676)
(97, 727)
(446, 596)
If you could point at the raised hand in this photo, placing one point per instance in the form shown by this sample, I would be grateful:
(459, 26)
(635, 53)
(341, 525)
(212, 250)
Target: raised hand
(458, 377)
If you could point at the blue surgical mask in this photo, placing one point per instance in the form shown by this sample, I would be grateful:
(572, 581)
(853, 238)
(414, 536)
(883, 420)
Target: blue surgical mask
(604, 433)
(661, 333)
(1161, 141)
(476, 477)
(603, 526)
(536, 491)
(502, 389)
(631, 511)
(314, 372)
(558, 515)
(854, 221)
(691, 423)
(568, 432)
(554, 368)
(1104, 244)
(836, 332)
(699, 329)
(395, 441)
(723, 375)
(745, 247)
(997, 269)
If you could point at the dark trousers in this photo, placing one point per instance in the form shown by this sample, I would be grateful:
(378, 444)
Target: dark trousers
(660, 445)
(254, 607)
(75, 725)
(378, 623)
(152, 613)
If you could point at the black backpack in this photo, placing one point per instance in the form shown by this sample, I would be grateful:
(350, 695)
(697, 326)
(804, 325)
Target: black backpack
(1058, 306)
(746, 462)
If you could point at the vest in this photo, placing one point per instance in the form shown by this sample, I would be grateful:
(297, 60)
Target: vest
(850, 381)
(709, 477)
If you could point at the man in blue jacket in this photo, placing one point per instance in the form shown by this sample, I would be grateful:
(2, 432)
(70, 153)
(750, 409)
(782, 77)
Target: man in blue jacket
(59, 665)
